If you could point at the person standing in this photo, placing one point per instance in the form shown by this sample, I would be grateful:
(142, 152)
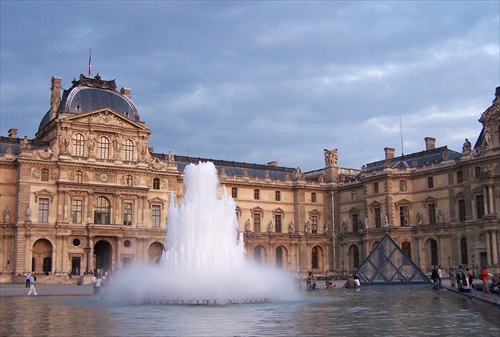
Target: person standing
(453, 279)
(440, 275)
(485, 277)
(434, 275)
(28, 280)
(32, 286)
(309, 279)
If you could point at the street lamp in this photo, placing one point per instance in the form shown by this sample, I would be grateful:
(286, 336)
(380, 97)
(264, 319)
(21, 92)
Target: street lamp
(86, 249)
(473, 267)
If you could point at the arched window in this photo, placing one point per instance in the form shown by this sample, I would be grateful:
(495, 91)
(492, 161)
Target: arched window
(277, 195)
(315, 258)
(313, 197)
(103, 148)
(434, 252)
(463, 251)
(156, 183)
(406, 247)
(258, 254)
(45, 174)
(129, 180)
(355, 256)
(128, 150)
(79, 176)
(402, 185)
(101, 210)
(279, 257)
(234, 192)
(78, 144)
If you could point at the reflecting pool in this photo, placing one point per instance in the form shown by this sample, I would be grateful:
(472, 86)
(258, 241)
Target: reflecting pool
(371, 311)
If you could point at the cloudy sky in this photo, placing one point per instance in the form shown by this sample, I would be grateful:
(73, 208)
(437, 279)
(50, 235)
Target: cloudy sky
(262, 81)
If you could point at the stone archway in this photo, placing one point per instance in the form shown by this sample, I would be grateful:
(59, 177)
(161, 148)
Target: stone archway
(41, 261)
(103, 253)
(260, 255)
(282, 257)
(155, 251)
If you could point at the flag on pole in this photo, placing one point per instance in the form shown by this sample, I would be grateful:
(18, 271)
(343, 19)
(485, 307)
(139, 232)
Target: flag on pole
(90, 59)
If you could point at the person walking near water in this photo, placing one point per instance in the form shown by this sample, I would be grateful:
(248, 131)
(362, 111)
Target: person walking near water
(484, 278)
(309, 279)
(453, 279)
(32, 285)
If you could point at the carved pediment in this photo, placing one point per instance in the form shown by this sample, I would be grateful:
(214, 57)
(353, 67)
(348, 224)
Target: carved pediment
(157, 200)
(106, 117)
(44, 193)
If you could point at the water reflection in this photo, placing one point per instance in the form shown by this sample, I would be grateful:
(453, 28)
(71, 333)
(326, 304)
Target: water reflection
(376, 310)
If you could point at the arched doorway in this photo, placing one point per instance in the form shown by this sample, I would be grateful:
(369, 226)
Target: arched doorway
(317, 259)
(281, 257)
(259, 254)
(41, 261)
(353, 255)
(155, 252)
(102, 254)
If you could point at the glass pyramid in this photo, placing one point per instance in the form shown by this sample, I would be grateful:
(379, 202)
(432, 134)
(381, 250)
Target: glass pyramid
(387, 264)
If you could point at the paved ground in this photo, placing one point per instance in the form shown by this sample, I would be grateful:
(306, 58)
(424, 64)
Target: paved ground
(478, 294)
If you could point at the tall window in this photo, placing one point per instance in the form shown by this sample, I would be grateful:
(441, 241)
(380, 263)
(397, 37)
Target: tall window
(45, 174)
(460, 177)
(378, 218)
(277, 195)
(313, 197)
(480, 206)
(430, 182)
(279, 257)
(256, 194)
(355, 256)
(43, 210)
(406, 247)
(477, 171)
(354, 195)
(76, 211)
(314, 224)
(461, 210)
(234, 192)
(463, 251)
(431, 209)
(79, 176)
(127, 213)
(277, 222)
(78, 144)
(434, 252)
(156, 215)
(156, 183)
(404, 215)
(315, 258)
(128, 150)
(101, 211)
(355, 222)
(129, 180)
(375, 188)
(103, 148)
(402, 186)
(256, 222)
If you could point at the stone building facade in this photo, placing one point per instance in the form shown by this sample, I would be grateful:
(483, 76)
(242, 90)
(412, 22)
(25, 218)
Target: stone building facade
(88, 192)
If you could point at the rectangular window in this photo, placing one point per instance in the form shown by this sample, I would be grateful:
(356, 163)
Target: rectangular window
(461, 210)
(277, 195)
(354, 195)
(43, 210)
(375, 188)
(76, 211)
(156, 183)
(477, 170)
(355, 222)
(234, 192)
(314, 224)
(277, 222)
(256, 222)
(127, 214)
(313, 197)
(156, 215)
(480, 206)
(404, 215)
(256, 194)
(45, 174)
(378, 218)
(430, 182)
(460, 177)
(432, 213)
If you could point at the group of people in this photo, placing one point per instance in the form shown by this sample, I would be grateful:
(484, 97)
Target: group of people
(462, 278)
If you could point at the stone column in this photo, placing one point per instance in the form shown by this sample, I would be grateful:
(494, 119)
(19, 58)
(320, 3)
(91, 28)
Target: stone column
(494, 246)
(491, 199)
(118, 254)
(90, 254)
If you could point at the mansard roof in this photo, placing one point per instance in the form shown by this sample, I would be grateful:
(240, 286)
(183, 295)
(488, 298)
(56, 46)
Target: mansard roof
(90, 94)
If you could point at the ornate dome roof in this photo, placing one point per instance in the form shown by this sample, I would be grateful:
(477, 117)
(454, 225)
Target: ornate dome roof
(90, 94)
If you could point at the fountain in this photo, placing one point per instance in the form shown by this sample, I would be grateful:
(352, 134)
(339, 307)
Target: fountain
(204, 262)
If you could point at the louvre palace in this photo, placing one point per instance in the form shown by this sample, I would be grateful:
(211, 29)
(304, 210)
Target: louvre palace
(89, 192)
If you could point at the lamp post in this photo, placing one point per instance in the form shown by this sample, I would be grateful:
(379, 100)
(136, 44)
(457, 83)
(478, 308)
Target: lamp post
(473, 267)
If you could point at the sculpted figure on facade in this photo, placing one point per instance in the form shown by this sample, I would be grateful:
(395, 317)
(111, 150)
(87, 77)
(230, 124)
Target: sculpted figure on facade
(28, 214)
(6, 215)
(331, 157)
(467, 146)
(143, 148)
(297, 174)
(487, 137)
(117, 146)
(307, 228)
(25, 144)
(440, 217)
(91, 144)
(247, 225)
(386, 220)
(170, 158)
(290, 228)
(64, 141)
(419, 219)
(270, 227)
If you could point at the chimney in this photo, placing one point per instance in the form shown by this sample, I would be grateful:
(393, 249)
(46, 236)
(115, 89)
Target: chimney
(389, 153)
(127, 92)
(430, 143)
(55, 96)
(12, 133)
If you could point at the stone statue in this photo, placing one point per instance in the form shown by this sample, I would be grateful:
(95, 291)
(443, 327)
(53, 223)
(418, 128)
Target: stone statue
(64, 141)
(367, 222)
(290, 228)
(419, 219)
(6, 215)
(25, 144)
(344, 227)
(331, 157)
(386, 220)
(117, 145)
(247, 225)
(270, 227)
(28, 214)
(487, 137)
(307, 227)
(170, 158)
(440, 217)
(297, 173)
(467, 145)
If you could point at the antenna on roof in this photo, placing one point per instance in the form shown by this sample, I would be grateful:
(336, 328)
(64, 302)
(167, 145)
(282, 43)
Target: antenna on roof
(401, 132)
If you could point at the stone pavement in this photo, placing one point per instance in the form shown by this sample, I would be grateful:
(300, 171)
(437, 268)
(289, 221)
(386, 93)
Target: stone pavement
(492, 298)
(18, 289)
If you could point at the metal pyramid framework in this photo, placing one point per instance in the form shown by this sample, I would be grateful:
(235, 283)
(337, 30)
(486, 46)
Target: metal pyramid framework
(387, 264)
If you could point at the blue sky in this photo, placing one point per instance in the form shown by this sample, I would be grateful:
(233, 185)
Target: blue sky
(261, 81)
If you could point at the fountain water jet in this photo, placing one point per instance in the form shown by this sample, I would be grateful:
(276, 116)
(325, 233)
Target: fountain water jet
(205, 259)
